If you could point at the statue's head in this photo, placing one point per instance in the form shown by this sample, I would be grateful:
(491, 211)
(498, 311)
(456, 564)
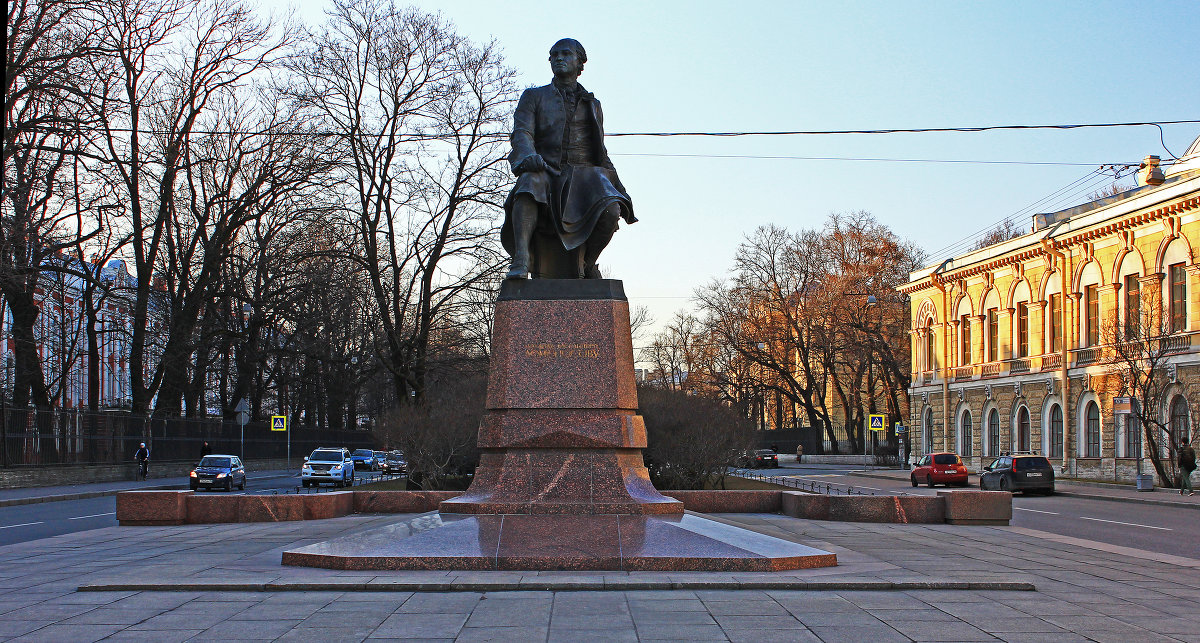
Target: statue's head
(567, 57)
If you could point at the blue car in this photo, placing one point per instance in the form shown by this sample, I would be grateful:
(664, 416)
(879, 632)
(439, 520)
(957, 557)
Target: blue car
(364, 459)
(218, 472)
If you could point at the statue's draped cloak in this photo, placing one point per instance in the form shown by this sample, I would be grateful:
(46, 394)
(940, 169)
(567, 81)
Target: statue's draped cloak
(575, 191)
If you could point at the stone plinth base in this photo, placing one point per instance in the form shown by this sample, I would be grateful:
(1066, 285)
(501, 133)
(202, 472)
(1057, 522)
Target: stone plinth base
(561, 481)
(683, 542)
(977, 507)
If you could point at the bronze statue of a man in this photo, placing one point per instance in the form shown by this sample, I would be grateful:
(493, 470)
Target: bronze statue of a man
(567, 189)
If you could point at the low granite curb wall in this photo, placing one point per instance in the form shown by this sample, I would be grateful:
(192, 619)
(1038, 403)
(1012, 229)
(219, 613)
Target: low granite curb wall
(187, 507)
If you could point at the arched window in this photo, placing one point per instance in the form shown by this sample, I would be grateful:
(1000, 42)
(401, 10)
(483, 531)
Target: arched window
(1179, 419)
(1056, 431)
(964, 433)
(993, 433)
(927, 431)
(1092, 431)
(930, 339)
(1023, 429)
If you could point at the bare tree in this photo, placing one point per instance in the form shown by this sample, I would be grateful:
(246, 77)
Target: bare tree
(417, 113)
(42, 139)
(1137, 353)
(1003, 231)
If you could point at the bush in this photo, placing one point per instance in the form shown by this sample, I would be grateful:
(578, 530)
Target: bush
(692, 439)
(438, 434)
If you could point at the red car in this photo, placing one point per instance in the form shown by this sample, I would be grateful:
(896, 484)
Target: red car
(939, 468)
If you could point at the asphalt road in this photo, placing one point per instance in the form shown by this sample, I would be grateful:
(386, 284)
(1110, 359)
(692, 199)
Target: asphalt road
(1167, 530)
(22, 523)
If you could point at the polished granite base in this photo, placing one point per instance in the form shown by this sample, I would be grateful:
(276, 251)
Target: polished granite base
(682, 542)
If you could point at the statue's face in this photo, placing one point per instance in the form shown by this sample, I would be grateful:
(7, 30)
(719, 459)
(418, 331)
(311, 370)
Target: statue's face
(564, 61)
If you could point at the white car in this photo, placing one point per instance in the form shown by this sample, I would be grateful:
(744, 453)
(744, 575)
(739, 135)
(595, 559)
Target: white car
(327, 465)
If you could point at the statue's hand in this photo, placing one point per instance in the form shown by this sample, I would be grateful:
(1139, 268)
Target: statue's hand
(532, 163)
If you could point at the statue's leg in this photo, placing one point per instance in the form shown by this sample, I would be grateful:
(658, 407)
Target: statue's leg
(601, 235)
(524, 220)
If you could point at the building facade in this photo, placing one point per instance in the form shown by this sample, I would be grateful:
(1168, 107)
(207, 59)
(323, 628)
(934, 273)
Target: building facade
(1012, 345)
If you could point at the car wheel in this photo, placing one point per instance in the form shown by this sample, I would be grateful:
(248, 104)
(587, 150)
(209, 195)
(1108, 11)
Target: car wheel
(913, 480)
(228, 486)
(929, 481)
(194, 487)
(1004, 485)
(242, 486)
(982, 487)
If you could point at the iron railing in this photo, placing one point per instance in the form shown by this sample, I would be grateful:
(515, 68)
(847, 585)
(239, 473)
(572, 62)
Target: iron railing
(43, 437)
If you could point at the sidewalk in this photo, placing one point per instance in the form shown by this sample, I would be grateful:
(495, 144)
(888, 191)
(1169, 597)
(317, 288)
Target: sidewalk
(33, 495)
(893, 583)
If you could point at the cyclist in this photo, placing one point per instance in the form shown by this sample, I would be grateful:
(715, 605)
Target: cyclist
(143, 458)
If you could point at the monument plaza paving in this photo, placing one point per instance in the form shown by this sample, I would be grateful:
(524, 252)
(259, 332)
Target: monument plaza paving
(892, 583)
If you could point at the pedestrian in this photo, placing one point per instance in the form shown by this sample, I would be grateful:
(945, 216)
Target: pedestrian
(1187, 464)
(799, 453)
(143, 459)
(205, 450)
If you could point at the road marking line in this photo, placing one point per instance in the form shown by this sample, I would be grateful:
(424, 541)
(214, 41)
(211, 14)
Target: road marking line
(111, 513)
(1037, 511)
(871, 488)
(1129, 524)
(24, 524)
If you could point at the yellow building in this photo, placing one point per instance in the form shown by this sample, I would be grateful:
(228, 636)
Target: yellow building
(1008, 349)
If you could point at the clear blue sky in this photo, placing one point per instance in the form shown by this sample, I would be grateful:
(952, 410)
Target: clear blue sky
(735, 66)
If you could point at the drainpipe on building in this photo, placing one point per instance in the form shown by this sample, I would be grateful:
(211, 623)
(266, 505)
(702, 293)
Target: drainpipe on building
(1065, 386)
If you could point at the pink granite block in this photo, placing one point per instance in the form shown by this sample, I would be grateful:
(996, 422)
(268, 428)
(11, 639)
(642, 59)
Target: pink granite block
(729, 501)
(810, 506)
(399, 502)
(269, 508)
(977, 507)
(210, 508)
(319, 506)
(561, 428)
(539, 362)
(152, 507)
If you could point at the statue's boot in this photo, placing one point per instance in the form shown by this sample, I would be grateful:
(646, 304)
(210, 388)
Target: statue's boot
(524, 219)
(605, 228)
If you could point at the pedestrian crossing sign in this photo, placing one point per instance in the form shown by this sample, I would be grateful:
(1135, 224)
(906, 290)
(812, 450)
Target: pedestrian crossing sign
(876, 422)
(279, 423)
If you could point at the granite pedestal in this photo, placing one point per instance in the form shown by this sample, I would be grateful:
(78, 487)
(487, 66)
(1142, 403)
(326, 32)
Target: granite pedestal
(561, 483)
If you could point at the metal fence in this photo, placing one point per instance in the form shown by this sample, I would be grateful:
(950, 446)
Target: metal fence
(67, 436)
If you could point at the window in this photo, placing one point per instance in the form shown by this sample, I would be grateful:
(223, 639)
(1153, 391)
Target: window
(1092, 431)
(964, 432)
(993, 334)
(1022, 330)
(994, 433)
(1133, 306)
(1178, 276)
(930, 357)
(1133, 434)
(1023, 429)
(1055, 323)
(1179, 419)
(1091, 302)
(946, 458)
(964, 352)
(1056, 431)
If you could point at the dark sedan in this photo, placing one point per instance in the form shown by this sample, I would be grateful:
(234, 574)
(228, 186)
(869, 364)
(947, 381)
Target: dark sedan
(218, 472)
(1018, 472)
(394, 464)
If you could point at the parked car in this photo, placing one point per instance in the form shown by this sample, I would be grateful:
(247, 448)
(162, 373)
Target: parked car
(939, 468)
(394, 464)
(328, 465)
(218, 472)
(1018, 472)
(759, 458)
(364, 459)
